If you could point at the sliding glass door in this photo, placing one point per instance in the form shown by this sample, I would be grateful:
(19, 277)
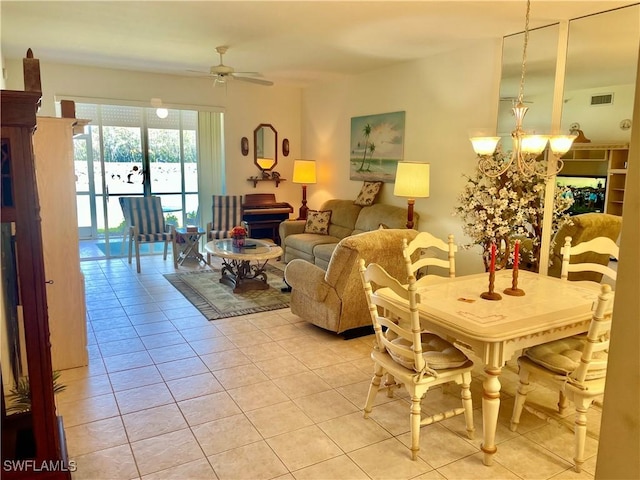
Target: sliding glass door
(131, 151)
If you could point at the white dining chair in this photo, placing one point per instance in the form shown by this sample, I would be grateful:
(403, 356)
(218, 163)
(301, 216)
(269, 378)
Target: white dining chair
(414, 359)
(576, 367)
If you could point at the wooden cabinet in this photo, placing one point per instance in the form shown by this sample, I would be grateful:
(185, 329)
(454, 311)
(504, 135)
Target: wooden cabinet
(601, 160)
(55, 173)
(35, 434)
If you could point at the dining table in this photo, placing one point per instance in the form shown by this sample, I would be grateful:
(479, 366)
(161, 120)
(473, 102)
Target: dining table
(494, 330)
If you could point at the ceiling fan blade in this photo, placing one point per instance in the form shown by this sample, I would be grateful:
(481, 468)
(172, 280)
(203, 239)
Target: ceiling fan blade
(248, 74)
(259, 81)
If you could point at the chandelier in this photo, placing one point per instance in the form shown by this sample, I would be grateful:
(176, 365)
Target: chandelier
(526, 148)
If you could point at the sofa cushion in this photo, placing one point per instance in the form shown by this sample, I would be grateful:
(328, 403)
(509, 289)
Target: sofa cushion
(368, 193)
(322, 254)
(343, 217)
(307, 242)
(318, 222)
(391, 216)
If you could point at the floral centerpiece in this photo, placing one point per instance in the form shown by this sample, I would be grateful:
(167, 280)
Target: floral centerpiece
(238, 235)
(508, 207)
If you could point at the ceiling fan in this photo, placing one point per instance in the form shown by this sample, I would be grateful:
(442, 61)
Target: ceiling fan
(221, 72)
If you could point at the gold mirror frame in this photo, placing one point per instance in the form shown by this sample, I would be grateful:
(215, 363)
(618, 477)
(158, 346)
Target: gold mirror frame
(265, 143)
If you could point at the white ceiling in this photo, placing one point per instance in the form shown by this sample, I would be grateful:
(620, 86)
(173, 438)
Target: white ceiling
(290, 42)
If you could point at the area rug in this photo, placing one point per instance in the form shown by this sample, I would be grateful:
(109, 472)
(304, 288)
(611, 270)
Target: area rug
(216, 300)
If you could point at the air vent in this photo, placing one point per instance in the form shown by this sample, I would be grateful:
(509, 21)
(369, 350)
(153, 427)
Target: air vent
(604, 99)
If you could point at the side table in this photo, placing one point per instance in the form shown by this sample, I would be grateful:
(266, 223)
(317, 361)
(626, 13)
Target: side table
(187, 241)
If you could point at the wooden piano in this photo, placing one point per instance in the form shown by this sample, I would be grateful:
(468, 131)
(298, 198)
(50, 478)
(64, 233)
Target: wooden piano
(262, 215)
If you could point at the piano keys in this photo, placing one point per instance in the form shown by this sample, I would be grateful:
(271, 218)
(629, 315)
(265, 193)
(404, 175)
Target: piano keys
(262, 215)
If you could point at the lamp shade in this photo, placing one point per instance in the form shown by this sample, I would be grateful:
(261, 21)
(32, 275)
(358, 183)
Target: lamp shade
(304, 171)
(412, 180)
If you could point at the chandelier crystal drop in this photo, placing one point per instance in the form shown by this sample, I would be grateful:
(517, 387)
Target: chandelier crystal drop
(526, 148)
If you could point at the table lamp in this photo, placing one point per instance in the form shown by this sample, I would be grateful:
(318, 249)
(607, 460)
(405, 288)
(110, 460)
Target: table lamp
(304, 172)
(412, 180)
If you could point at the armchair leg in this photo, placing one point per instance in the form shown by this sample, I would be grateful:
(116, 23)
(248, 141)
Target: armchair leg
(137, 255)
(130, 247)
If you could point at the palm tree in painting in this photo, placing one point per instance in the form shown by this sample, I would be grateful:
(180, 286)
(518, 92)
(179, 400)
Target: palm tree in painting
(366, 131)
(372, 148)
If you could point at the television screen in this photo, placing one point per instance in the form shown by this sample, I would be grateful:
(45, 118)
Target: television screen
(588, 193)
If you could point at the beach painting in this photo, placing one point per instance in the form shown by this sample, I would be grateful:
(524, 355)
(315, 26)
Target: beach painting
(377, 145)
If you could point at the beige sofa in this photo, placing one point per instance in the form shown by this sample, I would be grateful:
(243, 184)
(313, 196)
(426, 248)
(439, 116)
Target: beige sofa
(346, 219)
(334, 299)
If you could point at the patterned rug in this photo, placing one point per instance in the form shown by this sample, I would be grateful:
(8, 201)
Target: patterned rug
(216, 300)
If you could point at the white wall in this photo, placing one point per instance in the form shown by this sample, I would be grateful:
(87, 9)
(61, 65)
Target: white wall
(444, 97)
(619, 446)
(245, 106)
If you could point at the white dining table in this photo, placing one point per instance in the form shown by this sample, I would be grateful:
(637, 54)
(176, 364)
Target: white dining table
(495, 330)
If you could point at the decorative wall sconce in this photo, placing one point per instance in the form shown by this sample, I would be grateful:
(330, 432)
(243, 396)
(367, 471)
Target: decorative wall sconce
(244, 146)
(285, 147)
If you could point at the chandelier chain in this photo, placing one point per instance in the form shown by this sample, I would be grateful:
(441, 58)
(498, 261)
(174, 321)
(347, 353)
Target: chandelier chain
(524, 52)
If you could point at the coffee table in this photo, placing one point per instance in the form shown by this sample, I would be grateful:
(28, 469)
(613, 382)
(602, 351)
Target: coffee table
(238, 271)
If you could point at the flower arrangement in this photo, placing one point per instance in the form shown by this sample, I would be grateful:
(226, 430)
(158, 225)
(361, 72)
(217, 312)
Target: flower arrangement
(508, 207)
(238, 232)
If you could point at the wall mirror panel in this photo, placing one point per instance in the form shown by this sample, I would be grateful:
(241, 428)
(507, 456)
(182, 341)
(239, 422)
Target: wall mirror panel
(539, 81)
(265, 143)
(599, 86)
(602, 55)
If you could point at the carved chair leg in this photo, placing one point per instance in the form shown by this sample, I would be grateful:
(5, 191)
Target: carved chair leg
(467, 404)
(580, 431)
(373, 389)
(415, 418)
(521, 396)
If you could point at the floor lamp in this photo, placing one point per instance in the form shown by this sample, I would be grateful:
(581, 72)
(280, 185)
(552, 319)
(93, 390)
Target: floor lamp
(304, 172)
(412, 181)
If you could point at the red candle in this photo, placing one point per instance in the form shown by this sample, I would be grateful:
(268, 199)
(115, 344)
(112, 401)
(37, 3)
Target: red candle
(516, 255)
(492, 267)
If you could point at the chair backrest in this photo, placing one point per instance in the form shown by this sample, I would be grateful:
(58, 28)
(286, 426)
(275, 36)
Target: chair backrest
(599, 247)
(597, 339)
(423, 242)
(145, 213)
(401, 321)
(227, 213)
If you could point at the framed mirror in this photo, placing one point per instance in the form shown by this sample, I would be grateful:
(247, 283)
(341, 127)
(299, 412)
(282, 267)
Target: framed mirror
(265, 143)
(539, 81)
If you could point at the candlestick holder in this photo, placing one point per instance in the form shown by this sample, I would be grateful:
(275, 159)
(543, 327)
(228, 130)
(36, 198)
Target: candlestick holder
(491, 295)
(514, 291)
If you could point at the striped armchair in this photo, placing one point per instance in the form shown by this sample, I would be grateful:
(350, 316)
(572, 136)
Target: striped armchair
(145, 224)
(226, 214)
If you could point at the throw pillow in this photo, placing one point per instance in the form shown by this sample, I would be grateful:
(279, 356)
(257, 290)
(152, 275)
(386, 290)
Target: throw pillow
(368, 193)
(318, 222)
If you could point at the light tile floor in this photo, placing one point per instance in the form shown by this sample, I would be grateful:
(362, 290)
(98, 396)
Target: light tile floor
(168, 394)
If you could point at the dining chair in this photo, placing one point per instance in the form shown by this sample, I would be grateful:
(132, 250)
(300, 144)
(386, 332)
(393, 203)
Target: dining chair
(418, 360)
(226, 213)
(429, 246)
(145, 223)
(590, 256)
(574, 366)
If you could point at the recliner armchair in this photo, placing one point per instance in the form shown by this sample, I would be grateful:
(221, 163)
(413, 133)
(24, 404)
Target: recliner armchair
(584, 227)
(334, 299)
